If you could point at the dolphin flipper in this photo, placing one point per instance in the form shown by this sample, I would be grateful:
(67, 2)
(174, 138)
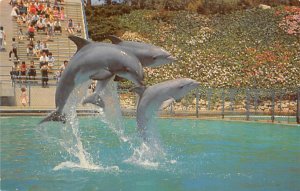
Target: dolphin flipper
(103, 75)
(80, 42)
(54, 116)
(94, 99)
(166, 103)
(114, 39)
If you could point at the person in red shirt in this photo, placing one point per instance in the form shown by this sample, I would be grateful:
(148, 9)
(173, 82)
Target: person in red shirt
(31, 31)
(23, 69)
(32, 9)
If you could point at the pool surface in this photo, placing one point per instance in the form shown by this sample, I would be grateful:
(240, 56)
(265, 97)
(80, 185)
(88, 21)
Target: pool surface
(193, 155)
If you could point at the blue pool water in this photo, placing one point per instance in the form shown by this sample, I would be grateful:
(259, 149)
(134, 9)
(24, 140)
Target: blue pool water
(196, 155)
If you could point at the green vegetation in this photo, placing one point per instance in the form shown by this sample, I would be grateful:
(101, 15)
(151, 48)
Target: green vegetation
(244, 48)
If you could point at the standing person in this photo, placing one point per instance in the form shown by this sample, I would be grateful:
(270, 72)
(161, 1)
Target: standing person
(23, 97)
(14, 49)
(51, 61)
(44, 60)
(2, 38)
(61, 69)
(44, 71)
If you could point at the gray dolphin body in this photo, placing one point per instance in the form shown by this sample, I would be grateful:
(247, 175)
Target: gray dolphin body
(149, 56)
(152, 98)
(97, 61)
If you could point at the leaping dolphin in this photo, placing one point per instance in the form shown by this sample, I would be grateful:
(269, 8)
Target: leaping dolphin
(96, 61)
(151, 99)
(149, 56)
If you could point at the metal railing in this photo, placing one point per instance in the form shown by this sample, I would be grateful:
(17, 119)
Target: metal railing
(273, 105)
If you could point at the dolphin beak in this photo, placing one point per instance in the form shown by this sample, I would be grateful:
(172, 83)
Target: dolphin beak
(171, 58)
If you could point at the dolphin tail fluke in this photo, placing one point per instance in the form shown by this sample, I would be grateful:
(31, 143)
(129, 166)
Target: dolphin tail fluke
(114, 39)
(54, 116)
(80, 42)
(94, 99)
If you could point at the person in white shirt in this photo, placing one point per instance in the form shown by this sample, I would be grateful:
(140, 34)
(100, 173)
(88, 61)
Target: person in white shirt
(44, 59)
(51, 61)
(38, 48)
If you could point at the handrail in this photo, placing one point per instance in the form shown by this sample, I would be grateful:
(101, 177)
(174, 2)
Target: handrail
(84, 20)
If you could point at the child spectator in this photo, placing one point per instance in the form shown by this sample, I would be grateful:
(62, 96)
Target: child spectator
(23, 97)
(14, 49)
(2, 38)
(44, 71)
(29, 49)
(70, 26)
(78, 28)
(32, 71)
(44, 60)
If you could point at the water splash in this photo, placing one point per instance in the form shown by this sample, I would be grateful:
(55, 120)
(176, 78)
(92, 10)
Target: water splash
(71, 140)
(112, 111)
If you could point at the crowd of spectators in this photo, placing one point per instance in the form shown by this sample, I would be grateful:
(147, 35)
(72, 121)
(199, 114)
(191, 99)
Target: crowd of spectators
(44, 18)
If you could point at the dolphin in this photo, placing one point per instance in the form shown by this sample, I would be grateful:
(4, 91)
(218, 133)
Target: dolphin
(96, 61)
(152, 98)
(149, 56)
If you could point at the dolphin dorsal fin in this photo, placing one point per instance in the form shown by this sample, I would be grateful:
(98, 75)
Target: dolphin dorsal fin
(114, 39)
(80, 42)
(139, 90)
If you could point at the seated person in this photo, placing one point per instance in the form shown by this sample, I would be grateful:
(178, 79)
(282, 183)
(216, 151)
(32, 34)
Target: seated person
(30, 48)
(70, 26)
(34, 19)
(22, 19)
(57, 26)
(45, 48)
(31, 31)
(44, 60)
(78, 28)
(14, 73)
(23, 69)
(38, 49)
(41, 25)
(32, 71)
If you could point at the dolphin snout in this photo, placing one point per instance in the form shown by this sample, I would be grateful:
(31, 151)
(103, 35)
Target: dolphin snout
(172, 58)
